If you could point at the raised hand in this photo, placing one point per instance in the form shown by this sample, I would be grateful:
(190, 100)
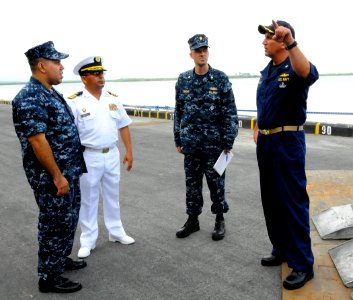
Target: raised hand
(282, 34)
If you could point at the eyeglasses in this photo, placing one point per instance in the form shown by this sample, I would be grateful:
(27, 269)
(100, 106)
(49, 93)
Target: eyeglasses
(94, 73)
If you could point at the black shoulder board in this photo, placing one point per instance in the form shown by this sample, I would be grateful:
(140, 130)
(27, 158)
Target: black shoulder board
(110, 93)
(78, 94)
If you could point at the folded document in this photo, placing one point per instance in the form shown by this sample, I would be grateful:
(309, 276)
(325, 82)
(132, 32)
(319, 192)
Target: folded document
(222, 162)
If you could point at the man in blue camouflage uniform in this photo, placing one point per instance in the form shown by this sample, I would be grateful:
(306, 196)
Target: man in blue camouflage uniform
(205, 124)
(281, 112)
(53, 163)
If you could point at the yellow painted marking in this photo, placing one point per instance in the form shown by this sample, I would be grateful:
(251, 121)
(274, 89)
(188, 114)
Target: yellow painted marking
(252, 123)
(317, 128)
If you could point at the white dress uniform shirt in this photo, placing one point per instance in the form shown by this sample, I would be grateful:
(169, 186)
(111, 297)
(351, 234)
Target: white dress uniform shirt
(98, 121)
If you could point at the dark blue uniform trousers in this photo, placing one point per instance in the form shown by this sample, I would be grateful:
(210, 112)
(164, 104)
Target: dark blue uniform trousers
(281, 160)
(196, 166)
(57, 222)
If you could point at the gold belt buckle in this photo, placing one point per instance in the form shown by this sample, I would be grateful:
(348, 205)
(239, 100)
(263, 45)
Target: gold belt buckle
(266, 131)
(105, 150)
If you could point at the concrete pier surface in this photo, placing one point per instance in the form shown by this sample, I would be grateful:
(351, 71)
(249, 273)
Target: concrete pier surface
(158, 265)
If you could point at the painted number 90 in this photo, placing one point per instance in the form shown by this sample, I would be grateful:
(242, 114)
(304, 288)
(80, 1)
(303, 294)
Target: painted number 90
(327, 130)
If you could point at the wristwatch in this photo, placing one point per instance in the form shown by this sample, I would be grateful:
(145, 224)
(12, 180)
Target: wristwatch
(291, 46)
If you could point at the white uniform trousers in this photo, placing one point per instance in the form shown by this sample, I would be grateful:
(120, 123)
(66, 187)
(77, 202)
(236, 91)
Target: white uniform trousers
(103, 177)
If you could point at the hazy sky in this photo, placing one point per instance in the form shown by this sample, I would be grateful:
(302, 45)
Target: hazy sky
(141, 38)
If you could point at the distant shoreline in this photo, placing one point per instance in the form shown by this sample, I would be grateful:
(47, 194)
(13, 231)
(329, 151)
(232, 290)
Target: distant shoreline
(238, 76)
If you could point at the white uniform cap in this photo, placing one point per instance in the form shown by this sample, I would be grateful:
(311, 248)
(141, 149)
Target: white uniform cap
(89, 64)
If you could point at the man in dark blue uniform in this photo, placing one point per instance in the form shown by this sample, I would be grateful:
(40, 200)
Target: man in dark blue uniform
(205, 124)
(281, 112)
(53, 163)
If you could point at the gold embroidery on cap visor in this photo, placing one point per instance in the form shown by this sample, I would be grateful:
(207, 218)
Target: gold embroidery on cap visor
(266, 29)
(93, 68)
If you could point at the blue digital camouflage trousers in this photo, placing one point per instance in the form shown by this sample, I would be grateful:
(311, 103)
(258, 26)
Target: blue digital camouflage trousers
(196, 166)
(57, 222)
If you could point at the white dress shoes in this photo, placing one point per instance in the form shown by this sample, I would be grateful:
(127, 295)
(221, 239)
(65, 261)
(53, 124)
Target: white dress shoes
(84, 252)
(125, 240)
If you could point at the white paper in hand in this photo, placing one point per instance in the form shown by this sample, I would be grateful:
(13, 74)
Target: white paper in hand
(222, 162)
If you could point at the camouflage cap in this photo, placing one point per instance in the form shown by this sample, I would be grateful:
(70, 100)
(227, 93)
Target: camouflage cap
(198, 41)
(89, 64)
(270, 29)
(46, 51)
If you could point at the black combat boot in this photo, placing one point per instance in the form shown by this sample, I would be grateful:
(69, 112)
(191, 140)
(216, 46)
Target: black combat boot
(58, 284)
(219, 228)
(191, 225)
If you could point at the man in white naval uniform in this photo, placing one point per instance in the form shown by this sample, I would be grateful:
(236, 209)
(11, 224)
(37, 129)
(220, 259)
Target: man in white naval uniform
(99, 116)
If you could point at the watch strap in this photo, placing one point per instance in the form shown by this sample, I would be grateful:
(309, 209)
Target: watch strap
(291, 46)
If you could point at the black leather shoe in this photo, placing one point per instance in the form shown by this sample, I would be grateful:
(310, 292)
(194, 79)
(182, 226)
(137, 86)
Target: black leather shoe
(271, 261)
(189, 227)
(296, 280)
(58, 285)
(74, 264)
(219, 231)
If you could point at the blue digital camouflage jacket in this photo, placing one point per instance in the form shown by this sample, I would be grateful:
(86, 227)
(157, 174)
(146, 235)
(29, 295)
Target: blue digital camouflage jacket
(205, 117)
(36, 110)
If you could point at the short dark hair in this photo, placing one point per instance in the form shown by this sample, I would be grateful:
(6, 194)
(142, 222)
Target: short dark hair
(33, 63)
